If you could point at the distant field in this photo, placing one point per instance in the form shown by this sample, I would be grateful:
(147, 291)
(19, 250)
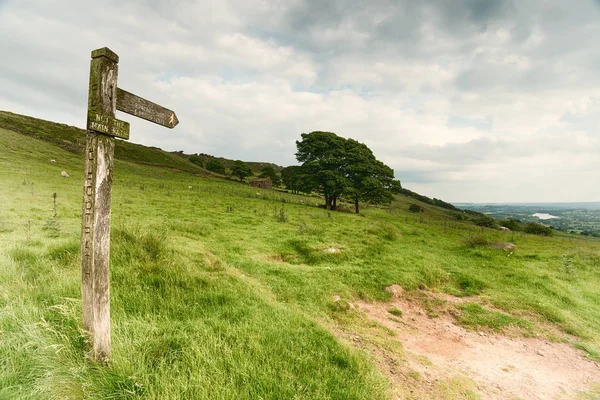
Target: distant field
(222, 291)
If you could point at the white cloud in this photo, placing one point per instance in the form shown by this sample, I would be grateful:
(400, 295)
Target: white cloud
(466, 103)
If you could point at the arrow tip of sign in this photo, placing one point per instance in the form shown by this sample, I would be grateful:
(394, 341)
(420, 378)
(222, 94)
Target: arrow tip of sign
(173, 121)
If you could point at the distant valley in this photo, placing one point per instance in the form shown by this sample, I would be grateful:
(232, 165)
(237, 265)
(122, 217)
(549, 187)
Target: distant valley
(580, 218)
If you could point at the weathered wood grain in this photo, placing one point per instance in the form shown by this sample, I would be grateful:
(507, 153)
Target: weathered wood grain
(103, 99)
(142, 108)
(95, 237)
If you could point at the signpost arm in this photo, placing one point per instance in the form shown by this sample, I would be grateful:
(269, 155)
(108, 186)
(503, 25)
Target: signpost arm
(95, 238)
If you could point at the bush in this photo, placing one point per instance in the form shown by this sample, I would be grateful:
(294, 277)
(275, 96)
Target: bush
(476, 241)
(215, 165)
(512, 224)
(197, 160)
(415, 208)
(538, 229)
(459, 216)
(486, 221)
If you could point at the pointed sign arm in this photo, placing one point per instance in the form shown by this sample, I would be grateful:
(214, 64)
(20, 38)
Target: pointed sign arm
(142, 108)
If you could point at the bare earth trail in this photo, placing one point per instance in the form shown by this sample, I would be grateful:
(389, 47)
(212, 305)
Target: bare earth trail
(499, 367)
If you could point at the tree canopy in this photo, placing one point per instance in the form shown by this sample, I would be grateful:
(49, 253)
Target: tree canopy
(215, 165)
(268, 171)
(292, 178)
(336, 167)
(240, 169)
(196, 159)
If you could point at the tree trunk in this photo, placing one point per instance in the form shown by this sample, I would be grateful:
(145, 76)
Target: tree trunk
(356, 206)
(334, 205)
(327, 202)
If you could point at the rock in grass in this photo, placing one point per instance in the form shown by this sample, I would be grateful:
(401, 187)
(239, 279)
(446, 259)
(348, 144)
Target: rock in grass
(503, 246)
(64, 174)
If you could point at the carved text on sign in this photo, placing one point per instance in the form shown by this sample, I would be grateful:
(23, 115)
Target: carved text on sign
(108, 125)
(88, 201)
(142, 108)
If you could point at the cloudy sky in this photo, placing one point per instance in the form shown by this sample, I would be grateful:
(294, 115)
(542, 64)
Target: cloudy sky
(468, 100)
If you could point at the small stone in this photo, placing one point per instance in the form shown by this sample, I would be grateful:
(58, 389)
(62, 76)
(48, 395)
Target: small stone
(540, 353)
(481, 333)
(64, 174)
(336, 298)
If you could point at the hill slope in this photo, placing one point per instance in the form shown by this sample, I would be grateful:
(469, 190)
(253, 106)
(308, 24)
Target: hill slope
(227, 292)
(72, 139)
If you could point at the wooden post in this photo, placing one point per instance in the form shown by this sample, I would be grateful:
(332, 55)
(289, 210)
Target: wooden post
(95, 238)
(104, 98)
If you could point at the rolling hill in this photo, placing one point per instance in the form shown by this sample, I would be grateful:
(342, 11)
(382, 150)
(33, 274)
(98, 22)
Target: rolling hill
(222, 291)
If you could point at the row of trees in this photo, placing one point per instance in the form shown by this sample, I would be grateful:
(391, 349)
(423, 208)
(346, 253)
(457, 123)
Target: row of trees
(336, 167)
(239, 169)
(331, 165)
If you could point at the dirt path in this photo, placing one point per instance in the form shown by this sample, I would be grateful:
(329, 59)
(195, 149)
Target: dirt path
(501, 367)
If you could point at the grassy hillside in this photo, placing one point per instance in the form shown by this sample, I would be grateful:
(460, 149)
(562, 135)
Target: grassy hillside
(73, 139)
(223, 291)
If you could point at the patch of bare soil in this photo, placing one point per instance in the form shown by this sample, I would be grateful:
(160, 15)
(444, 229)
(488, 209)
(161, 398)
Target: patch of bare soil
(501, 367)
(274, 259)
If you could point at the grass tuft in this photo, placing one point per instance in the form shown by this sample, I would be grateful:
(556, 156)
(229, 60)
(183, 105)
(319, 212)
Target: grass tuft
(395, 311)
(474, 316)
(475, 241)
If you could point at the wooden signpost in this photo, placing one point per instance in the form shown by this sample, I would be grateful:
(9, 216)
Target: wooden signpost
(102, 126)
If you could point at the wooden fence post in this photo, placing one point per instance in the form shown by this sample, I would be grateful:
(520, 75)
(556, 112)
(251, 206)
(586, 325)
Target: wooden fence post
(95, 238)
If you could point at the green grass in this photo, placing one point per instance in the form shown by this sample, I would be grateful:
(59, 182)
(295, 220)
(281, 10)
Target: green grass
(395, 311)
(214, 295)
(475, 316)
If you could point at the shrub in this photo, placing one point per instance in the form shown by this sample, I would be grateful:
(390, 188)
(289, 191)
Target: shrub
(415, 208)
(215, 165)
(476, 241)
(486, 221)
(197, 160)
(512, 224)
(459, 216)
(538, 229)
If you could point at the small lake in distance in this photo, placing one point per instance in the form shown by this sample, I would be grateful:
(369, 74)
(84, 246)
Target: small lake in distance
(544, 216)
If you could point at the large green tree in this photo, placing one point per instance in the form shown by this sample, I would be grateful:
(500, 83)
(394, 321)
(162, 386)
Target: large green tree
(322, 157)
(292, 178)
(338, 167)
(240, 169)
(370, 179)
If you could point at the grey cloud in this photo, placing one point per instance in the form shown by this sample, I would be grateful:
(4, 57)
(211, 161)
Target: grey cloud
(486, 150)
(473, 152)
(408, 176)
(447, 86)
